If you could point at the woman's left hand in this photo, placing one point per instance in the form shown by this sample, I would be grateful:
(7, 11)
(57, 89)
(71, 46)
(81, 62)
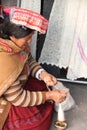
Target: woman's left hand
(49, 79)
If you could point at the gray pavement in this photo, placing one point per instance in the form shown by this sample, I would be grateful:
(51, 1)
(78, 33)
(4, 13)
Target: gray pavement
(77, 117)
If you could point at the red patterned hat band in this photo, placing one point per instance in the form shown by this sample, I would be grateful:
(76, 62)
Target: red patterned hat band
(27, 18)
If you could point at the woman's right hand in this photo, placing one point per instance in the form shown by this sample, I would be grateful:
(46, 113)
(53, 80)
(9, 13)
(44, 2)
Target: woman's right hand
(56, 95)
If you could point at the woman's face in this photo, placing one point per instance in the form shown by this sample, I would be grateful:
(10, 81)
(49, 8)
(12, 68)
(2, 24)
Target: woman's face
(22, 42)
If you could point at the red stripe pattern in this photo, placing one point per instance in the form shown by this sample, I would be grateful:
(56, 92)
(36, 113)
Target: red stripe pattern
(29, 19)
(8, 48)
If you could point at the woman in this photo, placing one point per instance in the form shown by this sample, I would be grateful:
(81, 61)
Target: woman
(24, 100)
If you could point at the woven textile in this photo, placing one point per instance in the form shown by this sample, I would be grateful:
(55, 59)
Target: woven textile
(29, 19)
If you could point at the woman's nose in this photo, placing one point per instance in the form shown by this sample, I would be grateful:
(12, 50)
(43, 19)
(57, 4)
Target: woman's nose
(30, 41)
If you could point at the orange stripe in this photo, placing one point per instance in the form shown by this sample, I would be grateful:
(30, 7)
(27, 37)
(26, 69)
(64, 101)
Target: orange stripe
(13, 93)
(37, 99)
(21, 104)
(17, 98)
(31, 97)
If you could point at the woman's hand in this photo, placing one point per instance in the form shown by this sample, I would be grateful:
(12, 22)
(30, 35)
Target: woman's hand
(56, 95)
(49, 79)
